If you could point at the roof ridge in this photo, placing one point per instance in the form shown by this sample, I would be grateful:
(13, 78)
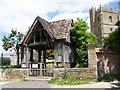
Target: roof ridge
(60, 20)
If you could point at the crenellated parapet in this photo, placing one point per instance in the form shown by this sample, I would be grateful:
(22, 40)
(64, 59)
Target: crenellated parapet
(110, 10)
(104, 9)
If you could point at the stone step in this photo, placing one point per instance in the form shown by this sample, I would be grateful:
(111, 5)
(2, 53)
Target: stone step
(38, 78)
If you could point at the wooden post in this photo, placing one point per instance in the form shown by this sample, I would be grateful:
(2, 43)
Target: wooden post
(27, 60)
(44, 58)
(44, 55)
(30, 71)
(39, 57)
(31, 57)
(63, 56)
(55, 54)
(40, 69)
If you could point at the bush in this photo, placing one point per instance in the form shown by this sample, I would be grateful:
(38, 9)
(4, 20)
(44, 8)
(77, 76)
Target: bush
(5, 61)
(8, 66)
(69, 79)
(109, 77)
(86, 76)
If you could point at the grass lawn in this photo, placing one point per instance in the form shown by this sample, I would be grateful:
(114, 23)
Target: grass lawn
(69, 81)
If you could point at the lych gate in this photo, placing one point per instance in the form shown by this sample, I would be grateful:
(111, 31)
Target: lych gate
(42, 36)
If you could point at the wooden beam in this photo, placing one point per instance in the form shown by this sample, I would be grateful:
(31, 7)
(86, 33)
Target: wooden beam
(40, 43)
(37, 30)
(46, 28)
(40, 35)
(34, 37)
(28, 34)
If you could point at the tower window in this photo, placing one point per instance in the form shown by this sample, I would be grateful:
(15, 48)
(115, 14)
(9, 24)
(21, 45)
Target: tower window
(110, 19)
(111, 29)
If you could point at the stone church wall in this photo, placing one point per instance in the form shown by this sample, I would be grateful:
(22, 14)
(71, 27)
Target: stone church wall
(105, 60)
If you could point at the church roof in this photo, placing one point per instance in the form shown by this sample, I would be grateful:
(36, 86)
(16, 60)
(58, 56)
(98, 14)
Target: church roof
(57, 30)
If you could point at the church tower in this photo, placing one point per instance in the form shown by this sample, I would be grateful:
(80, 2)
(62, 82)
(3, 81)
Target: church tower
(102, 21)
(119, 8)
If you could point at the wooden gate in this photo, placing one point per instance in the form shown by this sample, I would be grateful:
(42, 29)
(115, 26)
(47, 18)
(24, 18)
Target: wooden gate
(41, 69)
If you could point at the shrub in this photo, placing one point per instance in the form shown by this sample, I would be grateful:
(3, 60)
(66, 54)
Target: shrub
(5, 61)
(109, 77)
(69, 79)
(86, 76)
(8, 66)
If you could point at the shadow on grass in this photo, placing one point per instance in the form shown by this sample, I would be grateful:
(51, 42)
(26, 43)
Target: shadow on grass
(109, 77)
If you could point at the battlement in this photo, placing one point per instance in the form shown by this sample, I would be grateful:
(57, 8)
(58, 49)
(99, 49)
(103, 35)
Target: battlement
(105, 9)
(103, 20)
(109, 9)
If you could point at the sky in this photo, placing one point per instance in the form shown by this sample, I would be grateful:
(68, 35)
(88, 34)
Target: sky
(20, 14)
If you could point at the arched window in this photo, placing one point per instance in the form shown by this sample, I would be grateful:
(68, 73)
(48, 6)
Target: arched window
(111, 29)
(110, 19)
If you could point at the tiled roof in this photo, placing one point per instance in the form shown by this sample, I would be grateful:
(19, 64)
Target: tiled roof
(58, 29)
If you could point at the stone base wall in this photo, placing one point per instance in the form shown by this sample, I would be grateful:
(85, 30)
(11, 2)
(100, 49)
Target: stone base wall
(8, 74)
(108, 62)
(82, 73)
(104, 60)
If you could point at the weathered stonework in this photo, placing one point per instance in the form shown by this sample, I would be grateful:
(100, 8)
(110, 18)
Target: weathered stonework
(8, 74)
(108, 61)
(82, 73)
(92, 57)
(102, 21)
(104, 60)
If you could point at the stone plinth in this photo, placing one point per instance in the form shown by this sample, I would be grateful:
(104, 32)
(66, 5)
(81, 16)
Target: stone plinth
(7, 74)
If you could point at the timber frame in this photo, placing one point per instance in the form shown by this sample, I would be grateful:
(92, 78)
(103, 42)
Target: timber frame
(44, 35)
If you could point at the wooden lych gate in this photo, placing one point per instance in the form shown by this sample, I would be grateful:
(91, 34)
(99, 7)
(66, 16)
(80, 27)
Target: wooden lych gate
(43, 36)
(41, 69)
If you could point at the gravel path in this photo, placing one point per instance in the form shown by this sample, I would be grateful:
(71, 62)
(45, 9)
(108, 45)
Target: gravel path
(26, 84)
(45, 84)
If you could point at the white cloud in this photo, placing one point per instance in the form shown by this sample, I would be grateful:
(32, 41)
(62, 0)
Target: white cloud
(21, 13)
(70, 16)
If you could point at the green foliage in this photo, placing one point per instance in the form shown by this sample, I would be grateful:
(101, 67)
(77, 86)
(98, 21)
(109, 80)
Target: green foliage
(11, 41)
(67, 79)
(8, 66)
(118, 23)
(113, 41)
(81, 38)
(86, 76)
(5, 61)
(50, 54)
(109, 77)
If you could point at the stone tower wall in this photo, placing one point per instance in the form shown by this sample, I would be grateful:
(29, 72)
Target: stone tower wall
(101, 24)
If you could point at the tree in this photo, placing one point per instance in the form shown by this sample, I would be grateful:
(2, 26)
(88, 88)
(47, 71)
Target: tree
(10, 42)
(81, 38)
(113, 40)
